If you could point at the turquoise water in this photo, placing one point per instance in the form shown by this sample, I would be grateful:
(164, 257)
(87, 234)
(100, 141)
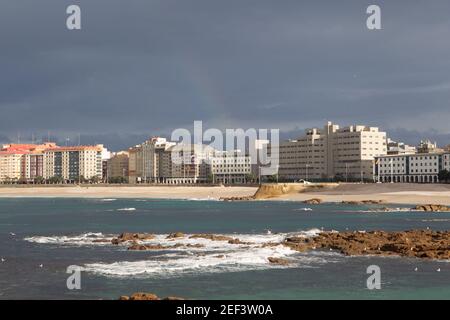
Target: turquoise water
(56, 233)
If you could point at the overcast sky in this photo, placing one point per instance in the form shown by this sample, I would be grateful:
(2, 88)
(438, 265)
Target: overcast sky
(145, 67)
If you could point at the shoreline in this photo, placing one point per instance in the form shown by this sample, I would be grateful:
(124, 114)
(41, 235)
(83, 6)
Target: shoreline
(402, 194)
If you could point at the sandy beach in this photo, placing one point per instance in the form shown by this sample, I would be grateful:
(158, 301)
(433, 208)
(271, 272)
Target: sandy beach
(154, 192)
(389, 193)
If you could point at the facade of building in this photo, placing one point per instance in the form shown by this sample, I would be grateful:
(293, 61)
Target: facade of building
(135, 164)
(33, 166)
(230, 167)
(151, 154)
(416, 168)
(73, 163)
(118, 165)
(331, 152)
(11, 166)
(22, 162)
(187, 164)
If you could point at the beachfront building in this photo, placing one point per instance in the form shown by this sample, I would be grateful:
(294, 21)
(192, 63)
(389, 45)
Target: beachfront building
(151, 154)
(416, 168)
(73, 164)
(118, 166)
(346, 153)
(186, 164)
(33, 166)
(21, 162)
(230, 167)
(135, 164)
(10, 166)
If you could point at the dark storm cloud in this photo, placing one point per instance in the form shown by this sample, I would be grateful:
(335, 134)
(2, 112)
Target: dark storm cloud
(139, 68)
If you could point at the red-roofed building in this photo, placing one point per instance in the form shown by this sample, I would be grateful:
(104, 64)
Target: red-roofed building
(26, 162)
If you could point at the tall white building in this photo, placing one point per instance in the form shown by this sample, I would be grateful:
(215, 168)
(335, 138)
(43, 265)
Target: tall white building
(346, 153)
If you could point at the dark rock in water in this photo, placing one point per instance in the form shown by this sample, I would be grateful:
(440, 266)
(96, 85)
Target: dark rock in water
(175, 235)
(100, 241)
(132, 237)
(143, 296)
(432, 208)
(143, 247)
(414, 243)
(280, 261)
(196, 245)
(358, 203)
(237, 241)
(243, 198)
(313, 201)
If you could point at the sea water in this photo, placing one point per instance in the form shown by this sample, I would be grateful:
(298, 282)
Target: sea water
(40, 238)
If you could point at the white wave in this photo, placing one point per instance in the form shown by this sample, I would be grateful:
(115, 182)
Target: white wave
(387, 210)
(232, 261)
(127, 209)
(304, 209)
(108, 200)
(195, 244)
(90, 238)
(209, 198)
(194, 255)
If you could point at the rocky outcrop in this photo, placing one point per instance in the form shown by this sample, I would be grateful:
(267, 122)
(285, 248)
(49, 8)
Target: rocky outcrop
(124, 237)
(141, 296)
(237, 241)
(267, 191)
(432, 208)
(101, 241)
(273, 190)
(144, 247)
(175, 235)
(362, 202)
(243, 198)
(313, 201)
(147, 297)
(416, 243)
(279, 261)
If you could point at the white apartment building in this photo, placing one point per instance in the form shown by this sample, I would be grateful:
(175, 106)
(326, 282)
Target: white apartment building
(230, 167)
(347, 153)
(416, 168)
